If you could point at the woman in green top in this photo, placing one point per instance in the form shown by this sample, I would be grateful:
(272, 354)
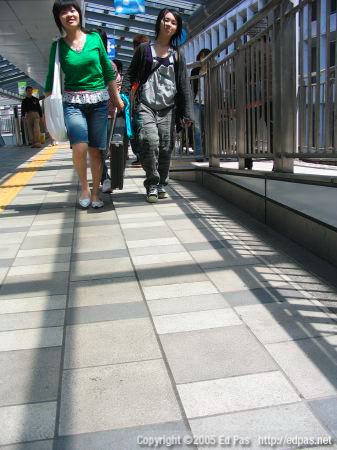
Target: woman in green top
(88, 72)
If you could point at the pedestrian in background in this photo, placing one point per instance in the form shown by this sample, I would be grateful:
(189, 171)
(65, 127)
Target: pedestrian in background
(137, 40)
(198, 86)
(32, 112)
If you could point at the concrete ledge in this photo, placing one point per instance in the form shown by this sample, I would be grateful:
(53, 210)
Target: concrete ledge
(318, 237)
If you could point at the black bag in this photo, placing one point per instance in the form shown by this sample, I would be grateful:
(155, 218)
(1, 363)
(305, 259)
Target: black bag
(117, 156)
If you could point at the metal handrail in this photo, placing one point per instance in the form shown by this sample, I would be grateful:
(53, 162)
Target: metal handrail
(237, 34)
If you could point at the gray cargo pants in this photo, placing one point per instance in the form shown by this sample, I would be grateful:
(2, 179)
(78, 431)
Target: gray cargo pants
(155, 141)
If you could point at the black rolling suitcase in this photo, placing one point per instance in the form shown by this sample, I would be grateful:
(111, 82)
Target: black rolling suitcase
(117, 158)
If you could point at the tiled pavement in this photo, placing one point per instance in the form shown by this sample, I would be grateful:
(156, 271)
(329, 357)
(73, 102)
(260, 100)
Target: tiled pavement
(140, 321)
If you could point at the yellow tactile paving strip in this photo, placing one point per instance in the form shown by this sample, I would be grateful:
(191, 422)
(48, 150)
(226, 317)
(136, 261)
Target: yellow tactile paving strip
(11, 187)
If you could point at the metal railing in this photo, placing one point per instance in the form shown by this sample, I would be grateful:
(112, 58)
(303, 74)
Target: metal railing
(262, 97)
(7, 125)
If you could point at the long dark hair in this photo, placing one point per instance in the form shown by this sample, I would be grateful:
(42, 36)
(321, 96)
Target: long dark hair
(175, 38)
(59, 6)
(103, 36)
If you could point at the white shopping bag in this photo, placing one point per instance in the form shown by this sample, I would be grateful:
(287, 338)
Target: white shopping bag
(53, 106)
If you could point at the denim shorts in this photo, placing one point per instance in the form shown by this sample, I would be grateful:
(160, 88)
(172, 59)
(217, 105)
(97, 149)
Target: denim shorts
(87, 123)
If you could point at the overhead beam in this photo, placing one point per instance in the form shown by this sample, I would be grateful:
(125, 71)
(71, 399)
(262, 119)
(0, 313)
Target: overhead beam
(120, 21)
(11, 95)
(9, 77)
(16, 78)
(151, 10)
(4, 67)
(119, 33)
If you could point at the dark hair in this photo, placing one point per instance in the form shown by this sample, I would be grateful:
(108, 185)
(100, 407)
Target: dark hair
(28, 87)
(119, 65)
(59, 6)
(175, 38)
(203, 51)
(104, 37)
(139, 39)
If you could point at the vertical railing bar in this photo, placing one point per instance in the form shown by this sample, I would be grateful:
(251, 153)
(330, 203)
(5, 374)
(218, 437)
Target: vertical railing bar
(222, 106)
(327, 81)
(318, 78)
(247, 102)
(268, 90)
(335, 92)
(258, 96)
(263, 91)
(310, 98)
(301, 84)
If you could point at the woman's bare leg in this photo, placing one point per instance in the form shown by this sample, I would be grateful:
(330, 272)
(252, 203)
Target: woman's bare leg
(80, 152)
(96, 170)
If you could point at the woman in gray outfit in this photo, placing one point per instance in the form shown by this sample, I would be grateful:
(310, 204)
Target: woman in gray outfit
(162, 100)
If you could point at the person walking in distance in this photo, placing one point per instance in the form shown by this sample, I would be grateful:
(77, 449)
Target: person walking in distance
(198, 85)
(87, 73)
(162, 98)
(137, 40)
(32, 112)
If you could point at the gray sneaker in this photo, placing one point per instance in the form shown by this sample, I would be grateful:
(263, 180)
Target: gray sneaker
(162, 192)
(152, 194)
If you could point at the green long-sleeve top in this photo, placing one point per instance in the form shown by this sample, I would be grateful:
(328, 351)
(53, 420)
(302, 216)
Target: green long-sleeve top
(87, 70)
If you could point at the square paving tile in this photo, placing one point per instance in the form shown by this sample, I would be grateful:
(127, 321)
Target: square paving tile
(103, 313)
(254, 427)
(286, 321)
(216, 353)
(54, 260)
(3, 273)
(191, 303)
(240, 393)
(170, 273)
(118, 396)
(27, 422)
(262, 295)
(52, 251)
(29, 376)
(311, 364)
(104, 243)
(104, 291)
(156, 250)
(29, 339)
(39, 268)
(19, 305)
(101, 268)
(91, 344)
(224, 257)
(179, 289)
(131, 438)
(237, 278)
(36, 445)
(325, 410)
(161, 259)
(37, 242)
(202, 235)
(142, 224)
(139, 243)
(38, 319)
(148, 233)
(199, 320)
(35, 285)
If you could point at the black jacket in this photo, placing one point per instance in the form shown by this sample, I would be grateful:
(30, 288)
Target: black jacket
(30, 104)
(140, 69)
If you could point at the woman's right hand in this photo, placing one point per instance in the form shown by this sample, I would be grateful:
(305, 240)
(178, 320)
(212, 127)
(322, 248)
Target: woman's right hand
(120, 105)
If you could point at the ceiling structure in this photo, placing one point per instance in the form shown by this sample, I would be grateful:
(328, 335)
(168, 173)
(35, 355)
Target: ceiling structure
(27, 29)
(101, 13)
